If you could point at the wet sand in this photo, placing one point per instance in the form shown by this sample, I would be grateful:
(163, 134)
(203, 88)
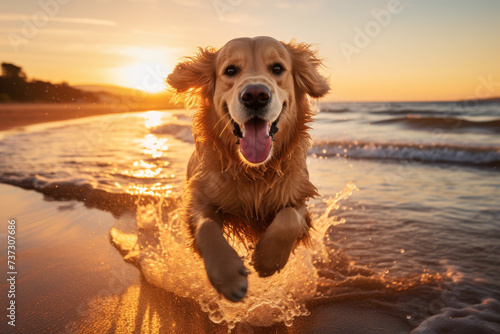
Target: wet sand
(71, 280)
(13, 115)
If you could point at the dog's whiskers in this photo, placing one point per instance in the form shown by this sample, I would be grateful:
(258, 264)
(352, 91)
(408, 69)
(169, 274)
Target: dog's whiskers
(221, 120)
(224, 127)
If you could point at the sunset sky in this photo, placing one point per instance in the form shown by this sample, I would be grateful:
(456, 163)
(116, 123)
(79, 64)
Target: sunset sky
(374, 50)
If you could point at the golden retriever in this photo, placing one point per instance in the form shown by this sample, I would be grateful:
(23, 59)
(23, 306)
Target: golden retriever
(245, 178)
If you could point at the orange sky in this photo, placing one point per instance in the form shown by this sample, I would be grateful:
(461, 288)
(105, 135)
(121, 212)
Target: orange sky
(375, 50)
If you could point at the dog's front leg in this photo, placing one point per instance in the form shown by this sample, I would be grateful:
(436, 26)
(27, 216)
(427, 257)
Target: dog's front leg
(275, 245)
(224, 267)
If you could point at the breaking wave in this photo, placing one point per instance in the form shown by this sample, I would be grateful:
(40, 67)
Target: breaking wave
(444, 124)
(424, 153)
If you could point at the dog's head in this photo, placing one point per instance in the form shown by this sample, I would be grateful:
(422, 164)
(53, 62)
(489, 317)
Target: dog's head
(257, 85)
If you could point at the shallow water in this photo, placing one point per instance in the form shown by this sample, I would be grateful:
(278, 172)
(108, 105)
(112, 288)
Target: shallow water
(414, 230)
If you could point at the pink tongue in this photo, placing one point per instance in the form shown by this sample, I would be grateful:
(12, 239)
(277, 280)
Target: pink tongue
(257, 143)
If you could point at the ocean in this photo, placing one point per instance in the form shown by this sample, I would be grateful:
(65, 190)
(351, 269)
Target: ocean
(408, 224)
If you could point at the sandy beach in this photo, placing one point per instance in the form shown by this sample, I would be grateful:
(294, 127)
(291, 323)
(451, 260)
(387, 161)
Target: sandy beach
(14, 115)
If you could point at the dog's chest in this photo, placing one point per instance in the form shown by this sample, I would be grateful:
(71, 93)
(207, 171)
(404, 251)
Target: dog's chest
(261, 197)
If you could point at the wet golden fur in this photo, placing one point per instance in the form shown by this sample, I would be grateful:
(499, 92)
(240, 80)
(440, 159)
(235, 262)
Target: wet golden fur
(221, 185)
(252, 194)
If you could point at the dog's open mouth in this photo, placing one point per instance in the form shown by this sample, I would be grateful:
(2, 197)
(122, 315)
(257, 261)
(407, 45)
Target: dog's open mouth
(255, 138)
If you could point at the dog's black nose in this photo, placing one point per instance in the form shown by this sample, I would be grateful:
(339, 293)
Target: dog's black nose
(255, 96)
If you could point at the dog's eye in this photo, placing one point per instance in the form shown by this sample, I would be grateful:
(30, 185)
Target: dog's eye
(277, 68)
(231, 70)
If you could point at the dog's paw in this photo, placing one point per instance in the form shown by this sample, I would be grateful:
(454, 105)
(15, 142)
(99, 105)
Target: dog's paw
(274, 247)
(271, 254)
(228, 275)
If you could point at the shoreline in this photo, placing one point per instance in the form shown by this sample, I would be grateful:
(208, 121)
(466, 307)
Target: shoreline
(16, 115)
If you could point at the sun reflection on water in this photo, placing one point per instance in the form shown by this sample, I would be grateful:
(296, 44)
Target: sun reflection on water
(153, 166)
(146, 170)
(154, 145)
(152, 119)
(143, 164)
(156, 190)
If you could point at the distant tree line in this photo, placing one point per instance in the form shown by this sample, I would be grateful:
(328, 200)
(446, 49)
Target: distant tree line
(14, 87)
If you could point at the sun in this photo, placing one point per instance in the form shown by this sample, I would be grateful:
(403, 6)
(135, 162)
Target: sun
(146, 76)
(145, 68)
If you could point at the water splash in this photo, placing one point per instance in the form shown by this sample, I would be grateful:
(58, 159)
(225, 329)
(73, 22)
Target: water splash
(157, 244)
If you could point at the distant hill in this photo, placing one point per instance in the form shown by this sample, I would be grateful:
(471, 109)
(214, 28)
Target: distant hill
(110, 89)
(133, 98)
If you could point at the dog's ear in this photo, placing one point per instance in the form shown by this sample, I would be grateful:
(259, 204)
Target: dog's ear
(195, 75)
(305, 65)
